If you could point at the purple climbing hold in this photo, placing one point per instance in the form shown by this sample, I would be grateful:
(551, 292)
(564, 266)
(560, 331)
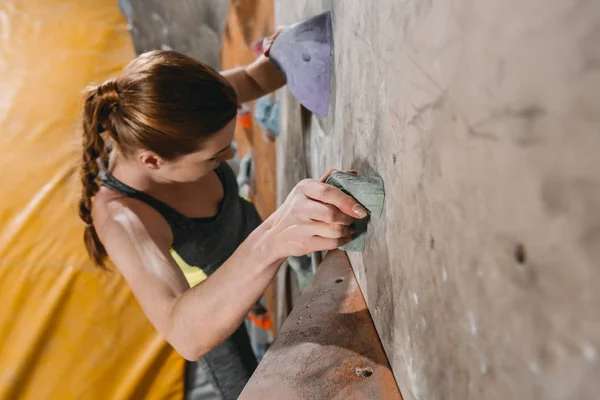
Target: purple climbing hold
(303, 53)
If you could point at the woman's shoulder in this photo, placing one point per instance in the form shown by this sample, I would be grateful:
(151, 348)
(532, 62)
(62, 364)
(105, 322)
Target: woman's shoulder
(110, 208)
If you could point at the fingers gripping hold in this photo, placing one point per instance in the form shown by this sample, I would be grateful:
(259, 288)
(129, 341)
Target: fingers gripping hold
(329, 214)
(328, 194)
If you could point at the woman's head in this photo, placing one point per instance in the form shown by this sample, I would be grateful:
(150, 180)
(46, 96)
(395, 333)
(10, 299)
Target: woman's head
(167, 113)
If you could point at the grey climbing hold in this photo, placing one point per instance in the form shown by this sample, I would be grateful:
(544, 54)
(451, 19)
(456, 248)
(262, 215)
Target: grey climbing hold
(369, 192)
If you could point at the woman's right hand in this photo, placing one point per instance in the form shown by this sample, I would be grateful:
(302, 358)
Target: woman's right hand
(314, 217)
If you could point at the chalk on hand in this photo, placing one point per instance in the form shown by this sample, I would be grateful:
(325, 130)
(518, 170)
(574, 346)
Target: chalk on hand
(369, 192)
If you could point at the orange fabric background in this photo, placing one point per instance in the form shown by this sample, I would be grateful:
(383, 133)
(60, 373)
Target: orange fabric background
(67, 329)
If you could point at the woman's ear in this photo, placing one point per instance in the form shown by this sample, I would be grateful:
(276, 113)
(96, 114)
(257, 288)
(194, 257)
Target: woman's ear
(150, 159)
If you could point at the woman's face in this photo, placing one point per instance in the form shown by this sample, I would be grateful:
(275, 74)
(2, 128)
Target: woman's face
(191, 167)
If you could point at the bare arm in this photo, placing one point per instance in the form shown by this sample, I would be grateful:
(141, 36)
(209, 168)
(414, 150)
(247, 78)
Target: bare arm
(255, 80)
(196, 320)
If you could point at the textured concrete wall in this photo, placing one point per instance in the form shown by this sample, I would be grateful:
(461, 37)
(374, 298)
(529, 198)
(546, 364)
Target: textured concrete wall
(191, 27)
(483, 119)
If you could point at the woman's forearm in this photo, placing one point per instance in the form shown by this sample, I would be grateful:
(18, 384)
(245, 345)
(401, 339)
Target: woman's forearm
(265, 74)
(255, 80)
(314, 217)
(209, 313)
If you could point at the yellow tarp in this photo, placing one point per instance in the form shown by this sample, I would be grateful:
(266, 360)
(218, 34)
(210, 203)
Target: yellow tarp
(67, 329)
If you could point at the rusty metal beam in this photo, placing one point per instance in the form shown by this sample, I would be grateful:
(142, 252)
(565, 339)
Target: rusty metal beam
(328, 347)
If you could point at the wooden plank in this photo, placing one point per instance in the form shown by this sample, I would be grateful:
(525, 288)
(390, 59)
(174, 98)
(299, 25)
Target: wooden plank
(328, 347)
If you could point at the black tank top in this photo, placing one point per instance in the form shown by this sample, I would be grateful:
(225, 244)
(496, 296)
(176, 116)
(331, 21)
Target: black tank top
(205, 243)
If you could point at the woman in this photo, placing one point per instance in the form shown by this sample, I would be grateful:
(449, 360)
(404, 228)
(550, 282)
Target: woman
(163, 205)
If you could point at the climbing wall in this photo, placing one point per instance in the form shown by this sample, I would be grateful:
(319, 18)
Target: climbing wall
(188, 26)
(483, 119)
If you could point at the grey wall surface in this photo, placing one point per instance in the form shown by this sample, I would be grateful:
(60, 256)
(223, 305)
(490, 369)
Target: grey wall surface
(483, 119)
(192, 27)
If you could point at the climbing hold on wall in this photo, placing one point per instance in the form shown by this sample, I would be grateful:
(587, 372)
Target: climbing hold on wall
(368, 191)
(303, 53)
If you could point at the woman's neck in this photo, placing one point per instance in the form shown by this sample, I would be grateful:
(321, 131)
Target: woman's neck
(142, 179)
(131, 174)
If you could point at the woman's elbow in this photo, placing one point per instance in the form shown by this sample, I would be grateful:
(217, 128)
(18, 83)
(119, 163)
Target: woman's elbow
(189, 352)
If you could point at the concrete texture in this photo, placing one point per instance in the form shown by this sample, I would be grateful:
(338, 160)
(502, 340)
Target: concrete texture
(191, 27)
(483, 119)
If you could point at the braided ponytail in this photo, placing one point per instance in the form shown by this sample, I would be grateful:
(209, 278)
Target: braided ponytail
(164, 102)
(100, 104)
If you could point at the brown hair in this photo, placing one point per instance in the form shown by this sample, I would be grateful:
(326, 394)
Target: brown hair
(163, 101)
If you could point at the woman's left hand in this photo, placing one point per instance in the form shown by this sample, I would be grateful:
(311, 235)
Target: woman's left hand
(268, 41)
